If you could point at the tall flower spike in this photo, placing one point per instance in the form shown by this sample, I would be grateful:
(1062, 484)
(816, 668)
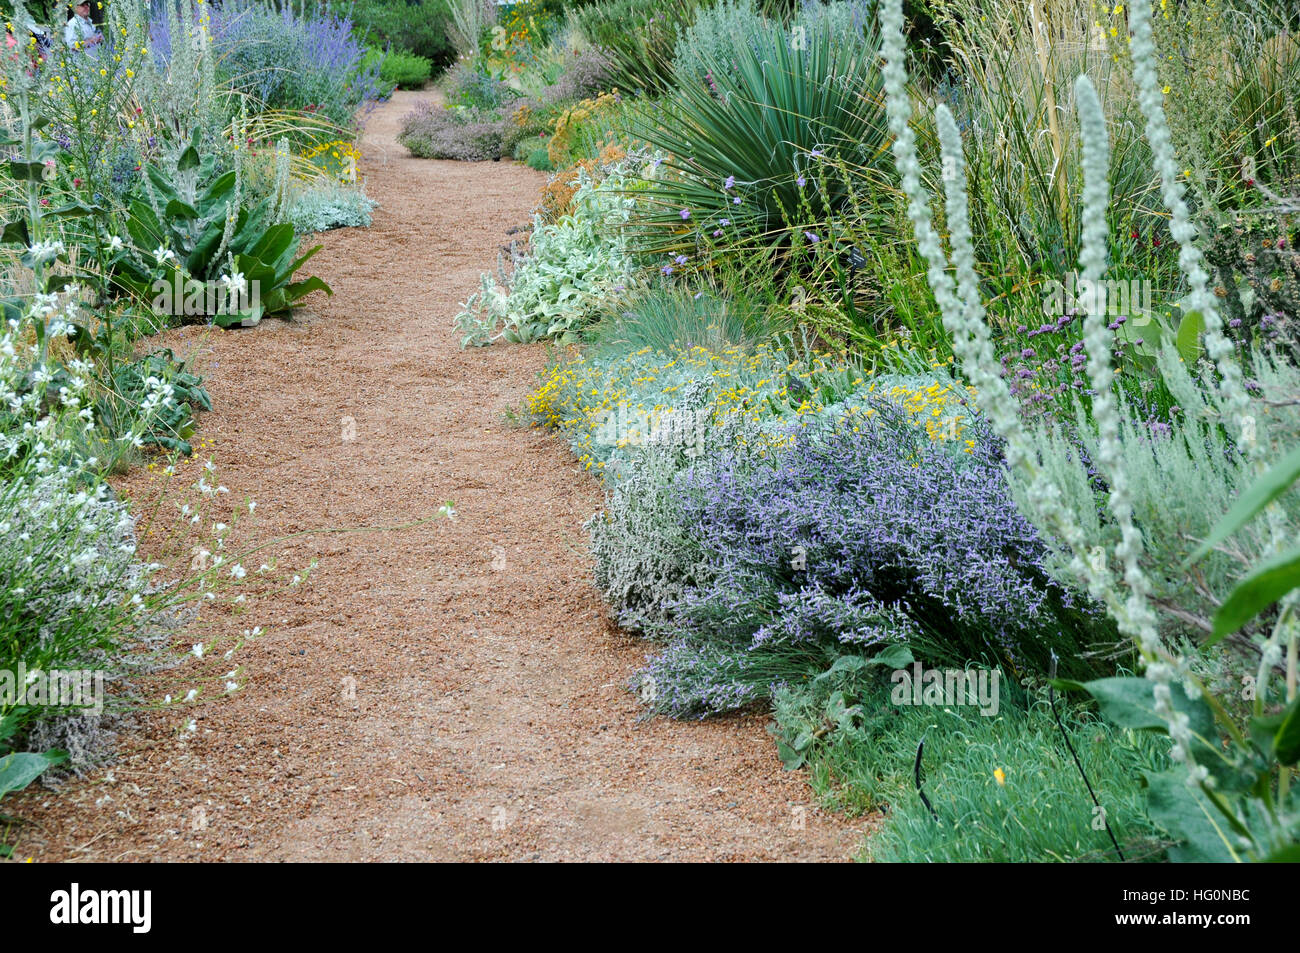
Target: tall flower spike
(977, 355)
(898, 107)
(1190, 260)
(973, 346)
(971, 342)
(1220, 349)
(1138, 620)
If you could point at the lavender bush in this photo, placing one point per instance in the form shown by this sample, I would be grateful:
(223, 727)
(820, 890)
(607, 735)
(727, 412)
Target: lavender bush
(285, 59)
(863, 534)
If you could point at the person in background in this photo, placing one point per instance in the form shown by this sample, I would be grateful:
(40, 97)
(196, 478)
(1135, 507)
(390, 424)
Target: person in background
(80, 30)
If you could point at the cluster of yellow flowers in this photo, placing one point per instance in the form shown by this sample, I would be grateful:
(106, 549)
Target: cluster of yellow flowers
(338, 157)
(579, 396)
(560, 148)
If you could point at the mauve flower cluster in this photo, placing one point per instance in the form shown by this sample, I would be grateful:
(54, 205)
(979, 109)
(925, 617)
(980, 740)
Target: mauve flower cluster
(862, 534)
(1050, 364)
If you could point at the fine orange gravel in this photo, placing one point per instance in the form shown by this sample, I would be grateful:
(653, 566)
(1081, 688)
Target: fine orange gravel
(491, 718)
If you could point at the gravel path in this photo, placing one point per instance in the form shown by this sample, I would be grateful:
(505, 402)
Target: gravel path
(491, 718)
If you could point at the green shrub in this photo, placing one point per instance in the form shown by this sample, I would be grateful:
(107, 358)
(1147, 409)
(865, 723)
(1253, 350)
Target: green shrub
(470, 84)
(319, 208)
(417, 27)
(400, 69)
(540, 159)
(570, 266)
(713, 42)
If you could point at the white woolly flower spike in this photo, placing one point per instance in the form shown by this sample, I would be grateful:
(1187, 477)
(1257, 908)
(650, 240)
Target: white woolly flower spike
(965, 320)
(1190, 260)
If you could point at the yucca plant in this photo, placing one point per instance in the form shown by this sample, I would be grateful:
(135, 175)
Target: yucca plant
(750, 155)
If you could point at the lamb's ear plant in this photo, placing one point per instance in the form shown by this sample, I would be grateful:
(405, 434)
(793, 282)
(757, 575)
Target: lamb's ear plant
(1223, 801)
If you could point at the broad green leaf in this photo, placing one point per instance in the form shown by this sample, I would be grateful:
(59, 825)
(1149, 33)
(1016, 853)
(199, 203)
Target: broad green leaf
(1129, 702)
(1286, 743)
(894, 656)
(275, 241)
(26, 171)
(1260, 493)
(178, 209)
(1262, 587)
(1185, 814)
(71, 210)
(303, 260)
(296, 290)
(1188, 340)
(21, 768)
(189, 160)
(16, 232)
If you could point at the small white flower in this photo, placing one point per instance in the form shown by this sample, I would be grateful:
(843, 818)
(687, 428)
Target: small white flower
(167, 699)
(235, 284)
(197, 650)
(115, 244)
(238, 572)
(232, 687)
(42, 252)
(192, 694)
(163, 254)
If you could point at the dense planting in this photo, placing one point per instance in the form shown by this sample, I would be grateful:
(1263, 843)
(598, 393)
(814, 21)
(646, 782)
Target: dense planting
(160, 175)
(876, 382)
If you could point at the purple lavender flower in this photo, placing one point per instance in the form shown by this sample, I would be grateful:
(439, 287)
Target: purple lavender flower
(900, 538)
